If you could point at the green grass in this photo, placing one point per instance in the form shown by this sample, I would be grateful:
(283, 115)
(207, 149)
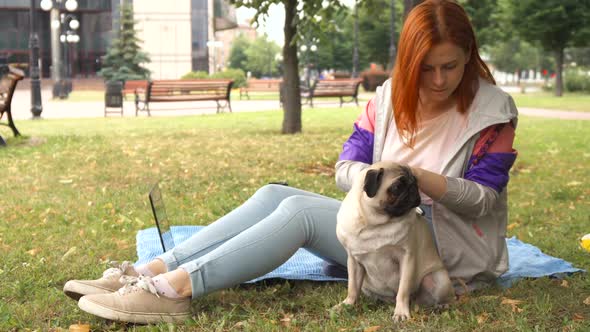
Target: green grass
(546, 100)
(82, 184)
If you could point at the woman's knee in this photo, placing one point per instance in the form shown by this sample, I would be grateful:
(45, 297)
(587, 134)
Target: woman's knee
(297, 203)
(270, 190)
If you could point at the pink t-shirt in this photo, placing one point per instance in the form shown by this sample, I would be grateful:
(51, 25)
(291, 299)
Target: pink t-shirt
(434, 138)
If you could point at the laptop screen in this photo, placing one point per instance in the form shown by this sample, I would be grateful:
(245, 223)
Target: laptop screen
(161, 219)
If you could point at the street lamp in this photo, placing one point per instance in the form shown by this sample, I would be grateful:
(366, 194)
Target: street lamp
(64, 31)
(308, 66)
(36, 106)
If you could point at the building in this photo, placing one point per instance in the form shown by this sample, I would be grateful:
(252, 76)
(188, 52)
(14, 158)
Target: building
(174, 33)
(225, 39)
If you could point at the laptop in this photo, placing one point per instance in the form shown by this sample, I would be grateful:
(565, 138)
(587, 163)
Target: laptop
(161, 218)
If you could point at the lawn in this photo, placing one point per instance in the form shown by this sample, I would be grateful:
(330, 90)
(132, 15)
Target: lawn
(546, 100)
(73, 196)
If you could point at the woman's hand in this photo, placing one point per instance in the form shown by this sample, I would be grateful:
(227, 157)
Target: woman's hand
(432, 184)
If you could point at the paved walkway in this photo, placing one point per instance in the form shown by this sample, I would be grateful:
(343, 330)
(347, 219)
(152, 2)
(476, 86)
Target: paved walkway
(56, 109)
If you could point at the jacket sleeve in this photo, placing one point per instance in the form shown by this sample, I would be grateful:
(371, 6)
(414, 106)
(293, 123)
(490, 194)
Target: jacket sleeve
(487, 175)
(357, 151)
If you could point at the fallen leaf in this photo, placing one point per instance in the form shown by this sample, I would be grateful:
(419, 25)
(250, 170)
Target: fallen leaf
(482, 318)
(286, 320)
(68, 253)
(512, 225)
(578, 317)
(372, 329)
(587, 301)
(513, 303)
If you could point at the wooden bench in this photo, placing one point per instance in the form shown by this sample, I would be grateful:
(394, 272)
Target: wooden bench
(133, 85)
(334, 88)
(8, 80)
(184, 90)
(255, 85)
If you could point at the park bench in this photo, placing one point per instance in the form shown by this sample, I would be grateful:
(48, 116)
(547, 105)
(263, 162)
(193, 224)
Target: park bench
(9, 77)
(184, 90)
(256, 85)
(133, 85)
(334, 88)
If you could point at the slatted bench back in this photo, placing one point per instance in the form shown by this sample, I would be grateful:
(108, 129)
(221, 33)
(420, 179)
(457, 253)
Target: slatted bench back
(263, 85)
(135, 85)
(336, 88)
(189, 90)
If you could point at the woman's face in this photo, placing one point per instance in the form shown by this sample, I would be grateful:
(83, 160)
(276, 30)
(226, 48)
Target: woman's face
(441, 72)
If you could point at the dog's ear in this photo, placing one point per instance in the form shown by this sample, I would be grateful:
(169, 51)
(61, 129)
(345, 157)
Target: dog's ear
(373, 181)
(405, 193)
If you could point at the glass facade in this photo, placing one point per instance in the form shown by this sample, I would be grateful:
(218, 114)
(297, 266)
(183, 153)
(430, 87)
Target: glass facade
(96, 25)
(199, 35)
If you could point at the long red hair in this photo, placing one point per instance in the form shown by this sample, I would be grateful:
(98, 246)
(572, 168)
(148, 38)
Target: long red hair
(428, 24)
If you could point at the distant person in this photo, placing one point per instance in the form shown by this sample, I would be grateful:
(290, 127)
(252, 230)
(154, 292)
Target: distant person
(440, 113)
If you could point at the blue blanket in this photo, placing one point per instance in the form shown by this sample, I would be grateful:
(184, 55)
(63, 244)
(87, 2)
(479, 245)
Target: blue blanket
(526, 261)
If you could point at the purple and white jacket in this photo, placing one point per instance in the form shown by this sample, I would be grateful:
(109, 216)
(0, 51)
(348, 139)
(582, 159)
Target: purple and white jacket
(470, 219)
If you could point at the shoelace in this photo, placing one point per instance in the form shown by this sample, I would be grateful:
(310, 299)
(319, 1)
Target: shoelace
(116, 271)
(141, 282)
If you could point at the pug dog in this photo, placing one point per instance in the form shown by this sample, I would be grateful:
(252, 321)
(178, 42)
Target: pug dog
(391, 251)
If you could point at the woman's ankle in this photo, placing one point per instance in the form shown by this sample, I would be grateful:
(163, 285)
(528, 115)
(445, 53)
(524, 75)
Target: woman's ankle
(180, 281)
(152, 269)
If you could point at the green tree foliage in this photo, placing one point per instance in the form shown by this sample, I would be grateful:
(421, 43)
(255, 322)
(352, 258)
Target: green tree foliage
(555, 25)
(261, 57)
(124, 59)
(486, 18)
(237, 54)
(516, 55)
(301, 18)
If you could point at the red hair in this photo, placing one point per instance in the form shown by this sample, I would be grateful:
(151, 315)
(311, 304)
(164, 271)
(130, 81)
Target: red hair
(428, 24)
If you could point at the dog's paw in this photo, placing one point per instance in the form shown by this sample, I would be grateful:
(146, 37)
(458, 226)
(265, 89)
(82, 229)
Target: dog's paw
(341, 306)
(401, 314)
(442, 306)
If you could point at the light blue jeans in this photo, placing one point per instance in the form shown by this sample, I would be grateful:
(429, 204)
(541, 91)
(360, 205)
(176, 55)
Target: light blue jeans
(258, 237)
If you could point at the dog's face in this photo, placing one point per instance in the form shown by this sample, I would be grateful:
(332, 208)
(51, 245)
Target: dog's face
(390, 189)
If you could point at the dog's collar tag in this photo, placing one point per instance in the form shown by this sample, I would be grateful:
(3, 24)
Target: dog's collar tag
(420, 211)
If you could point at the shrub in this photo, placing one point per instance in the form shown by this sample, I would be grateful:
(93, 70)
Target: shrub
(195, 75)
(234, 74)
(373, 78)
(577, 80)
(237, 75)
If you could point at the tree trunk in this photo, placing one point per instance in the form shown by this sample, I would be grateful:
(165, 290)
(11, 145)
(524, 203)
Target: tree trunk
(559, 73)
(355, 47)
(392, 47)
(290, 89)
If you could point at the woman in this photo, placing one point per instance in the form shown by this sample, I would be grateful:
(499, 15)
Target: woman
(440, 113)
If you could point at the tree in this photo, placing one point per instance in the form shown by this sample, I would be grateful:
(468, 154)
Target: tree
(516, 55)
(300, 16)
(124, 59)
(237, 54)
(260, 57)
(486, 18)
(555, 24)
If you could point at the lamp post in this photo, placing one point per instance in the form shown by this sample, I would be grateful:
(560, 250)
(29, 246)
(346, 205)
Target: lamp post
(64, 27)
(36, 106)
(304, 50)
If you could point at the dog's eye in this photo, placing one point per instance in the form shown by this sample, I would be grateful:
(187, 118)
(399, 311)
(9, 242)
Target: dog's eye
(397, 187)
